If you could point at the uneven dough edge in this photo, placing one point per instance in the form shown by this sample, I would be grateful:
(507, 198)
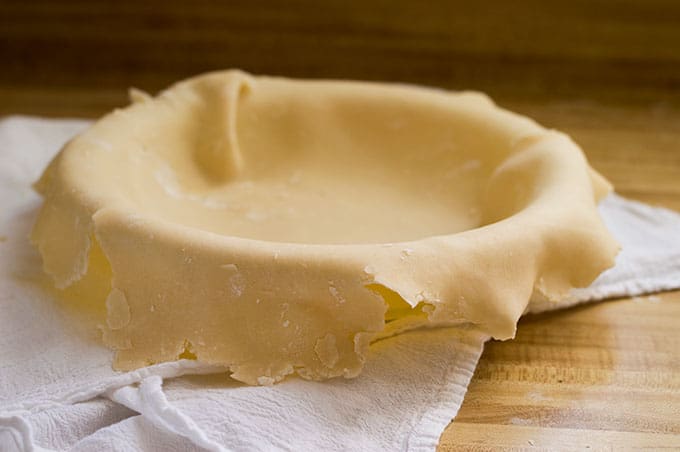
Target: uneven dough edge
(267, 310)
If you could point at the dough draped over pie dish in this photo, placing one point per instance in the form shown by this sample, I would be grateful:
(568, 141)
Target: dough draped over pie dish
(279, 226)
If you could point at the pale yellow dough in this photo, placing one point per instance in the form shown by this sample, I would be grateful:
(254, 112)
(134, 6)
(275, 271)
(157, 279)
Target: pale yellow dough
(279, 226)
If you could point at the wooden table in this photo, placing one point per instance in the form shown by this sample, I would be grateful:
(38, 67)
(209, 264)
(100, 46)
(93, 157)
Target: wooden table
(599, 376)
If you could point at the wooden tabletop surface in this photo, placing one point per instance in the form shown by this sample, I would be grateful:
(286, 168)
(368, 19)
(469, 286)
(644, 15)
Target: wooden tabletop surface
(599, 377)
(604, 376)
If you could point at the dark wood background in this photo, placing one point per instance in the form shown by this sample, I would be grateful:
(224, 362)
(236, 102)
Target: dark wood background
(594, 49)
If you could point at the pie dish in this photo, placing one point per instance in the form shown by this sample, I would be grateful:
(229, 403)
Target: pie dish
(279, 226)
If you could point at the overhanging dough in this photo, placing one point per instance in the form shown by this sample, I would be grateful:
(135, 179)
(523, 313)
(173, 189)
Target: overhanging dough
(279, 226)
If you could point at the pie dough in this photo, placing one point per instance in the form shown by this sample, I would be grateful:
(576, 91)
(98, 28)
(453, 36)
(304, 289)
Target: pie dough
(280, 226)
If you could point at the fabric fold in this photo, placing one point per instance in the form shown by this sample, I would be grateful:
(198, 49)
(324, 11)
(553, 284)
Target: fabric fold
(148, 399)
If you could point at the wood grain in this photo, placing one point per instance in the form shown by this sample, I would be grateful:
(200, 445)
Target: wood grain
(605, 47)
(598, 377)
(605, 376)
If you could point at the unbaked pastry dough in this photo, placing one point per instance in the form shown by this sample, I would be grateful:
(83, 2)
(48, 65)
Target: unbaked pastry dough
(279, 226)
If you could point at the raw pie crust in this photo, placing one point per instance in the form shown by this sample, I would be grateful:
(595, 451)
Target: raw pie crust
(280, 226)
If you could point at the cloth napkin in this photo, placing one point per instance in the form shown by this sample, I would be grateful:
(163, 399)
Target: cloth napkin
(58, 391)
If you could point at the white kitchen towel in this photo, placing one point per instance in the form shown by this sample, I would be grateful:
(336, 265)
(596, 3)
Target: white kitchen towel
(58, 391)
